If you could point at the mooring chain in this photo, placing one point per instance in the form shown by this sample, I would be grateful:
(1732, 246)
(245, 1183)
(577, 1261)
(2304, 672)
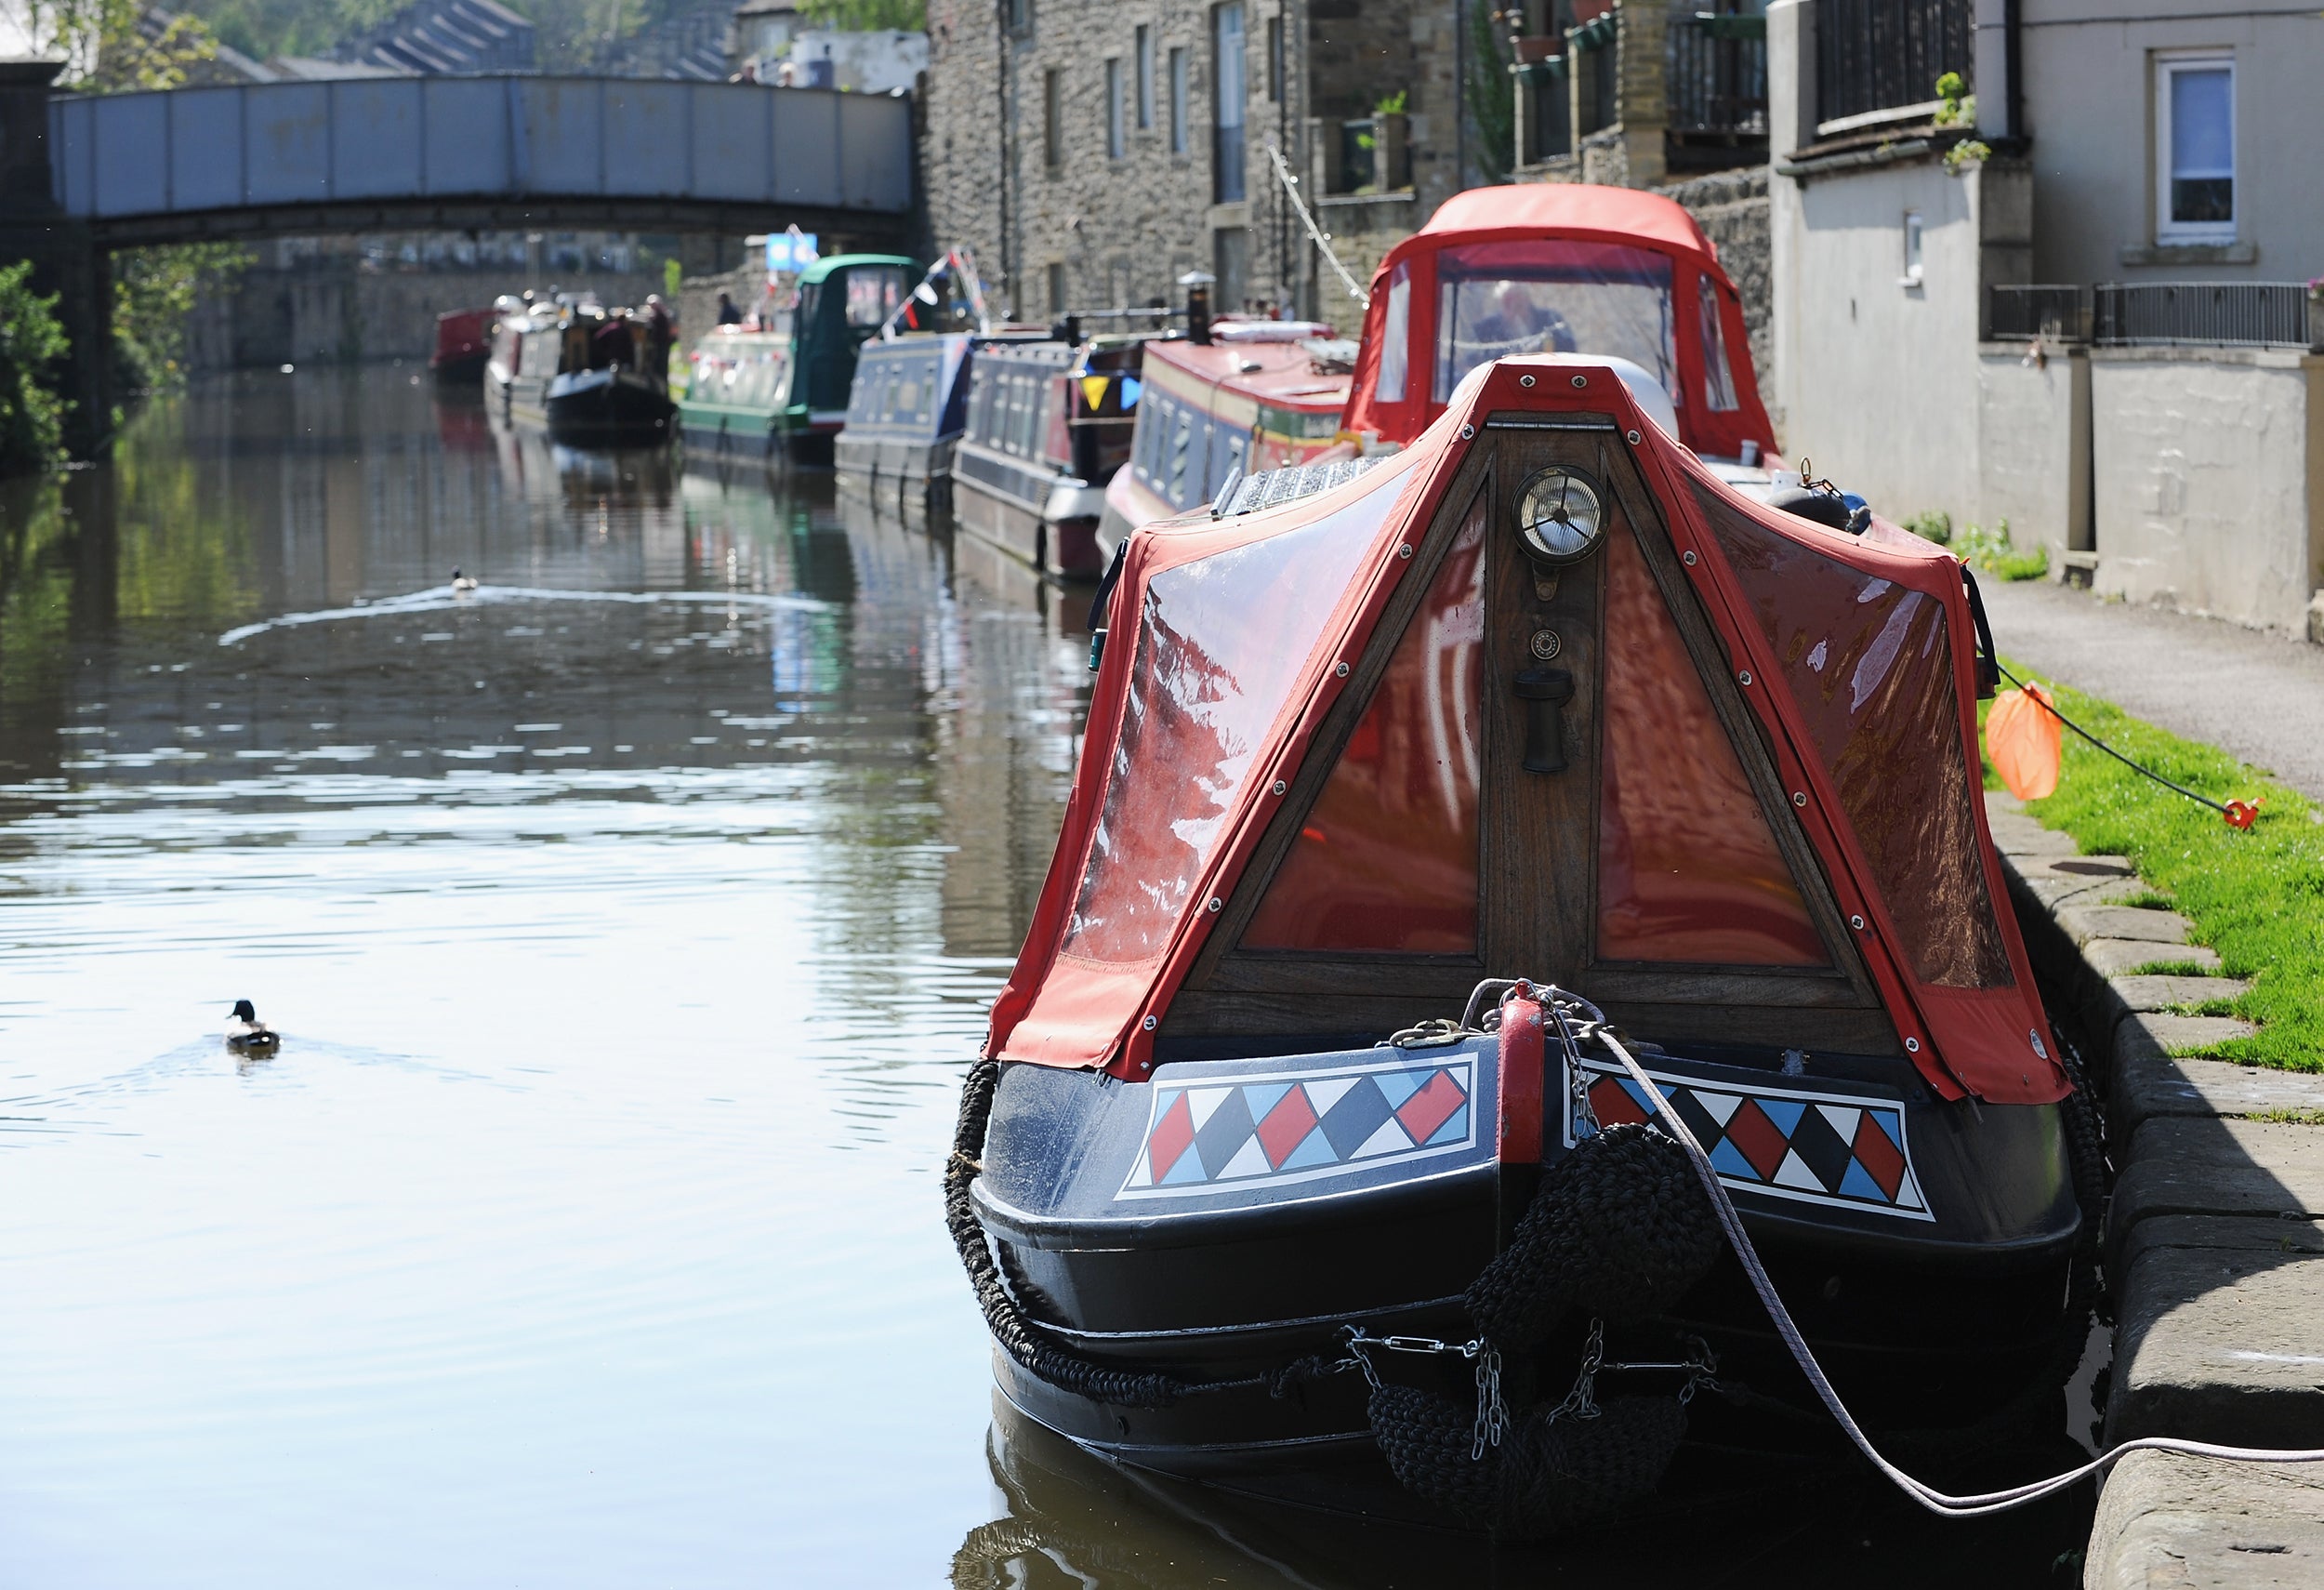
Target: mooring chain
(1492, 1410)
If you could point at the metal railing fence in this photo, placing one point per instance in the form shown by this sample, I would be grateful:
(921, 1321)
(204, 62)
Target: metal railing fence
(2225, 315)
(1716, 84)
(1881, 55)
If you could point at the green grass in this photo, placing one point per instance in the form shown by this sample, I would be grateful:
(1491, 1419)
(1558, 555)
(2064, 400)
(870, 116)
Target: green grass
(2256, 898)
(2282, 1116)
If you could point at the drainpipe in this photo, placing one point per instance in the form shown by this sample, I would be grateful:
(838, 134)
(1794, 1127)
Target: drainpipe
(2010, 10)
(1000, 44)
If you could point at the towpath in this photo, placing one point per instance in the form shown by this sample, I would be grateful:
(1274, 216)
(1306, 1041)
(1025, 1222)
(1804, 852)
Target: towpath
(2257, 697)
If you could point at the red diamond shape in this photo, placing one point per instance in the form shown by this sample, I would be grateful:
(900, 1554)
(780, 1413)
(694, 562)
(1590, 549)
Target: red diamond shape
(1170, 1137)
(1611, 1103)
(1287, 1126)
(1432, 1106)
(1759, 1139)
(1881, 1158)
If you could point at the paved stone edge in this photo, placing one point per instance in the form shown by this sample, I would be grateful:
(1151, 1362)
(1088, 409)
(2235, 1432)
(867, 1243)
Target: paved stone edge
(2216, 1258)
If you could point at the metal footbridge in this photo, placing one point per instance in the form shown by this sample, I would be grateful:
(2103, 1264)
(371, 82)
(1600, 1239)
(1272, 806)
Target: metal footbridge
(276, 159)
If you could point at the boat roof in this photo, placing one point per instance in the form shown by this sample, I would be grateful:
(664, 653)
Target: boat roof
(824, 267)
(1565, 210)
(1234, 635)
(1282, 373)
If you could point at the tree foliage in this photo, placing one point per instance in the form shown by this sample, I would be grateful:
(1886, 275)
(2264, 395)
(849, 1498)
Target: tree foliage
(32, 341)
(154, 293)
(1492, 98)
(866, 16)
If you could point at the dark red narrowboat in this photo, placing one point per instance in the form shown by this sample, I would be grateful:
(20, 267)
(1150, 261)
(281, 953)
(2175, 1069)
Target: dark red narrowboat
(1540, 697)
(464, 344)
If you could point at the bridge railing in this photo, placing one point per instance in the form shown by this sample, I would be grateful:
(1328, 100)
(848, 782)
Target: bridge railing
(268, 145)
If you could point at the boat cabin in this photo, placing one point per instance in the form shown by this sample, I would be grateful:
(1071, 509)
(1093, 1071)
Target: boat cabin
(1257, 395)
(1049, 422)
(1559, 267)
(1539, 696)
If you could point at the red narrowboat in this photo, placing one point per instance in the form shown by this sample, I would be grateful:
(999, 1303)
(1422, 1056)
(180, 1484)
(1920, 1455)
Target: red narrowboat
(1445, 822)
(1498, 272)
(464, 344)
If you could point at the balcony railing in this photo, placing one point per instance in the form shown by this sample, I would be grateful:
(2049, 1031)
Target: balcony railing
(2060, 314)
(2224, 314)
(1886, 55)
(1718, 76)
(2215, 314)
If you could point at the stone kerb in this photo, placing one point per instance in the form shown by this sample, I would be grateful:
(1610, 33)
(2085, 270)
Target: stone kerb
(2215, 1233)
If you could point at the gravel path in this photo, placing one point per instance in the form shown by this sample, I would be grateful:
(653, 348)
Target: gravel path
(2258, 696)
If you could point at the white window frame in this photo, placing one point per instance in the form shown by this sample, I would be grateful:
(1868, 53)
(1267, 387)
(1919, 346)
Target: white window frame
(1916, 237)
(2168, 65)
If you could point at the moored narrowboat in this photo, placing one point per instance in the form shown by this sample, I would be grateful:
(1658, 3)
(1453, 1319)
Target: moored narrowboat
(591, 375)
(904, 416)
(1451, 828)
(777, 388)
(1530, 268)
(464, 345)
(1049, 422)
(1248, 395)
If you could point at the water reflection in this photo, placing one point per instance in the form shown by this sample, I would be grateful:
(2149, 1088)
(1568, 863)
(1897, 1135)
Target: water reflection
(627, 923)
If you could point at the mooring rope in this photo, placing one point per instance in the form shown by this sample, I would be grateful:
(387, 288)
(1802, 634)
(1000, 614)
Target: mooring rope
(1936, 1500)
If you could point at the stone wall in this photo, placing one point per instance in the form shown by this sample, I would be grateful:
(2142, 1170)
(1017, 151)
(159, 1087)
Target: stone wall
(2208, 476)
(307, 317)
(1731, 207)
(1076, 227)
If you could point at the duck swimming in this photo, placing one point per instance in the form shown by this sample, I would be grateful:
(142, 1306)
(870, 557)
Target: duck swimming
(247, 1035)
(462, 582)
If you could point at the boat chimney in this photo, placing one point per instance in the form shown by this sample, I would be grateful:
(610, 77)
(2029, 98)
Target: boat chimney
(1199, 284)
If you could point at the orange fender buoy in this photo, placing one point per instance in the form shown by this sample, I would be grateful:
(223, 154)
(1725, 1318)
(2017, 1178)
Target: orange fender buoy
(2022, 739)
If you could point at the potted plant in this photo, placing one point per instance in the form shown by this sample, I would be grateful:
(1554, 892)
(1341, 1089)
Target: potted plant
(1392, 142)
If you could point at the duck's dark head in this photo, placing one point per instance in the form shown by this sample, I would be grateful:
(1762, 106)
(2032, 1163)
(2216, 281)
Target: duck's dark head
(245, 1011)
(455, 574)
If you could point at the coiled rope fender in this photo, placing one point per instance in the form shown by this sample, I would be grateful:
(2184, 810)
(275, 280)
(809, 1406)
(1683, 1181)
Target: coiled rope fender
(1936, 1500)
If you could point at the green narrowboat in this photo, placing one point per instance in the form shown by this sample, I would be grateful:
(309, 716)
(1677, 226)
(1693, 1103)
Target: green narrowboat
(777, 385)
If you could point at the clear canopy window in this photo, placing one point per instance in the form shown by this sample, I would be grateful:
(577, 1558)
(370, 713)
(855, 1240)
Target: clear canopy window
(874, 292)
(1387, 858)
(1870, 665)
(1496, 300)
(1688, 872)
(1221, 640)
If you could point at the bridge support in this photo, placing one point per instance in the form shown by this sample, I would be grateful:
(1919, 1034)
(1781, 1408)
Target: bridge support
(66, 260)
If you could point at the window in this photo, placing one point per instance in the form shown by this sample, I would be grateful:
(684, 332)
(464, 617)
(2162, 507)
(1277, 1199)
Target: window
(1178, 101)
(1396, 334)
(1274, 60)
(2194, 148)
(1554, 296)
(1912, 275)
(1056, 289)
(1020, 15)
(1053, 117)
(1143, 67)
(1718, 376)
(1227, 92)
(1115, 137)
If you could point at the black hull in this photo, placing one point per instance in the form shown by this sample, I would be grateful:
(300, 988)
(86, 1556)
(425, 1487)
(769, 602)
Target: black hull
(614, 415)
(1935, 1308)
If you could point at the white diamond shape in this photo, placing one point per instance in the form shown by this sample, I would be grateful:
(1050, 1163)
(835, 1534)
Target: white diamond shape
(1250, 1159)
(1389, 1139)
(1843, 1118)
(1721, 1107)
(1793, 1173)
(1328, 1091)
(1204, 1103)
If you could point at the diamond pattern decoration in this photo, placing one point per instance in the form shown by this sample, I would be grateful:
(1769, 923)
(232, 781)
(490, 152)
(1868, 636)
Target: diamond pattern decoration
(1202, 1136)
(1821, 1147)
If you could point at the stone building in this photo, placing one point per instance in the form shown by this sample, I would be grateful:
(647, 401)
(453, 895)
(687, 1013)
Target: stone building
(1091, 156)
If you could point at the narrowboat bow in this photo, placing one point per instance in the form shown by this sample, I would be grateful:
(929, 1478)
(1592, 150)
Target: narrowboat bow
(1262, 1104)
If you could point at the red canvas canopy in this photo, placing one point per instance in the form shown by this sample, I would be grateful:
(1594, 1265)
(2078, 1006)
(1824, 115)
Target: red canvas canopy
(1230, 638)
(1554, 266)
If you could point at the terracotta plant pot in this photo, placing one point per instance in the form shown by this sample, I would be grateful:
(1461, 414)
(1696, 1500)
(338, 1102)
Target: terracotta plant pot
(1534, 47)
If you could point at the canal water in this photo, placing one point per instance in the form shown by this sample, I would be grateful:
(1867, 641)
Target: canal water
(629, 920)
